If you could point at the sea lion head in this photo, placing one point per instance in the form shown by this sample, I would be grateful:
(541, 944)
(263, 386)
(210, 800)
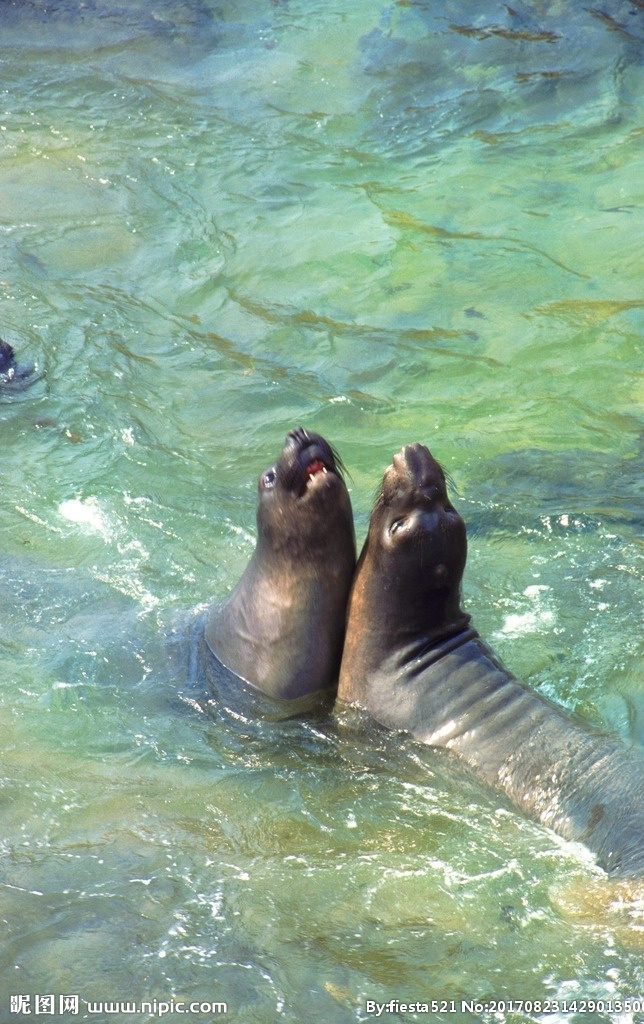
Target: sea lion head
(406, 590)
(303, 496)
(422, 537)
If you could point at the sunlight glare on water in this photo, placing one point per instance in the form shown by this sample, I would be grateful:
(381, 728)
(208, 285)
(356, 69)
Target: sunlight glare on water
(395, 222)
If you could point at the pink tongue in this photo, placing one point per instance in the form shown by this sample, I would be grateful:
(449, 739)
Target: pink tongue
(314, 467)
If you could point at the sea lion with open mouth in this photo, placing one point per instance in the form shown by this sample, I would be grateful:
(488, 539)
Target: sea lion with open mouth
(282, 628)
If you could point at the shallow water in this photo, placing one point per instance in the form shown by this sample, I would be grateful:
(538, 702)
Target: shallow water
(387, 223)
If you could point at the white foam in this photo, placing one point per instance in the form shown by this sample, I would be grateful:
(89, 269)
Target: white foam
(538, 618)
(88, 514)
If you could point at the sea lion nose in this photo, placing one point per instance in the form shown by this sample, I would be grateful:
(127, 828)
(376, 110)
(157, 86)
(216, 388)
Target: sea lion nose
(298, 436)
(413, 460)
(416, 464)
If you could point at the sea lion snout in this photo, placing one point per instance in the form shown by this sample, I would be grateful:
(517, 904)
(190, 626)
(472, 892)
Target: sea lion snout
(413, 474)
(299, 437)
(307, 458)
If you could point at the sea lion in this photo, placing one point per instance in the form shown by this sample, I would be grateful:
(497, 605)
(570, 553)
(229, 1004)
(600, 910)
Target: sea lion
(413, 660)
(13, 376)
(282, 628)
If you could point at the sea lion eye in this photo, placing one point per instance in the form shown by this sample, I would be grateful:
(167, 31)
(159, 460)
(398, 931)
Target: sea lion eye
(396, 525)
(269, 477)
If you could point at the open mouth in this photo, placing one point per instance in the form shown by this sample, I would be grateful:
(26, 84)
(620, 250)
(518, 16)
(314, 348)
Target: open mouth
(307, 460)
(314, 467)
(314, 462)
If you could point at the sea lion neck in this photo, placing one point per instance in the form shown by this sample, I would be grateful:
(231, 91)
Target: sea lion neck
(407, 608)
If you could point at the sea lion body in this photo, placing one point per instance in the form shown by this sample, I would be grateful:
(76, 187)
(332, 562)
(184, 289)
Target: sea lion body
(418, 666)
(282, 628)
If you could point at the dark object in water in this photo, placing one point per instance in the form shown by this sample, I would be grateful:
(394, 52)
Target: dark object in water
(13, 376)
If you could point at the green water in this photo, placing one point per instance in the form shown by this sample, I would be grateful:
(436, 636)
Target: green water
(413, 221)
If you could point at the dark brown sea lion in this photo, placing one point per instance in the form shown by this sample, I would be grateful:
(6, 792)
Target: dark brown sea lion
(282, 628)
(413, 661)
